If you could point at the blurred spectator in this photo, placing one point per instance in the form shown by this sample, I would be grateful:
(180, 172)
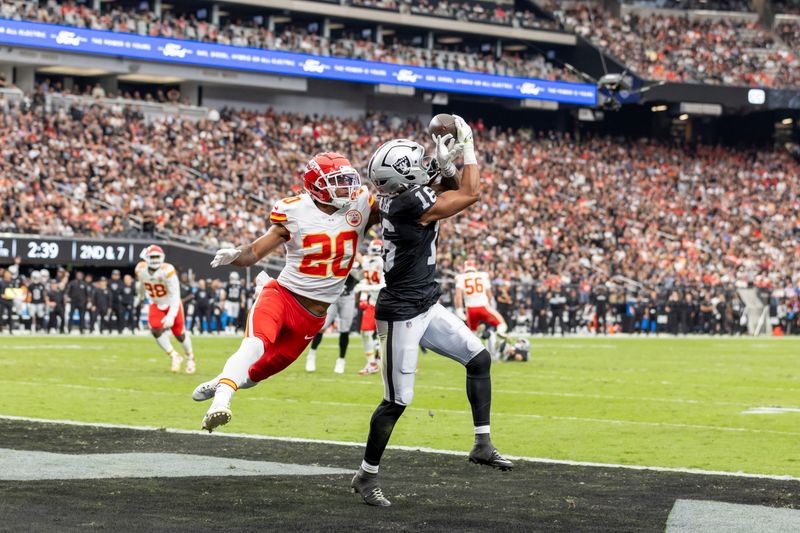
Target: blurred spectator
(677, 48)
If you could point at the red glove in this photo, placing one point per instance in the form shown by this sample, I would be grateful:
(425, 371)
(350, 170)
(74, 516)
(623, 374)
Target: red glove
(363, 304)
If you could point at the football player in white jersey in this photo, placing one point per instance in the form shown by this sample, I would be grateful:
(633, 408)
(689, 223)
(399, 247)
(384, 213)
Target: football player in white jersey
(159, 281)
(474, 291)
(321, 230)
(369, 287)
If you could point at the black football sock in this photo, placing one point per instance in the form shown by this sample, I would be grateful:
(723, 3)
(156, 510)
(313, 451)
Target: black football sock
(344, 341)
(317, 340)
(479, 390)
(380, 429)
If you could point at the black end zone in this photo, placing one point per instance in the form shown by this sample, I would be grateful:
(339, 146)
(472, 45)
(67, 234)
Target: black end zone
(428, 491)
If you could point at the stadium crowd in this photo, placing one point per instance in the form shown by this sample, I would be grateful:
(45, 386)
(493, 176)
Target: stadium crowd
(594, 214)
(253, 33)
(676, 48)
(78, 302)
(484, 12)
(716, 5)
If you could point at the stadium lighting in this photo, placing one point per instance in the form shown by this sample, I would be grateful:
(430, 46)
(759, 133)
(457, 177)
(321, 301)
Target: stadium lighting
(514, 47)
(787, 121)
(450, 39)
(658, 108)
(683, 117)
(338, 26)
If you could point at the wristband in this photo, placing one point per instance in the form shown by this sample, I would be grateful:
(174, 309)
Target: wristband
(469, 155)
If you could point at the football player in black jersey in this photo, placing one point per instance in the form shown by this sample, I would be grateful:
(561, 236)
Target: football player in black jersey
(407, 311)
(233, 303)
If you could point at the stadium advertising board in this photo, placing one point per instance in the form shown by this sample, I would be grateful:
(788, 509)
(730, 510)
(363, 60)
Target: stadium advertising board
(107, 43)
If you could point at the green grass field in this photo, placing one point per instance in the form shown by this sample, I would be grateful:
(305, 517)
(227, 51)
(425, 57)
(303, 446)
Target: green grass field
(654, 402)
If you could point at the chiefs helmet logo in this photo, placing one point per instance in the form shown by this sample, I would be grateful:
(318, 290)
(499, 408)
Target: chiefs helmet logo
(313, 165)
(402, 165)
(353, 217)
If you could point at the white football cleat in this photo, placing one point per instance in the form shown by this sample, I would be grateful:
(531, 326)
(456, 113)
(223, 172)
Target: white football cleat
(205, 391)
(190, 366)
(371, 368)
(176, 361)
(216, 417)
(339, 368)
(311, 362)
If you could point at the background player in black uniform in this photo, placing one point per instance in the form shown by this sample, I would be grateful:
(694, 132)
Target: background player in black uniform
(55, 303)
(127, 305)
(234, 303)
(407, 312)
(37, 302)
(101, 306)
(77, 296)
(114, 287)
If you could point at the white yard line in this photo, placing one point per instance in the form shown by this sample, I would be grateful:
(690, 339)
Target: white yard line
(406, 448)
(770, 410)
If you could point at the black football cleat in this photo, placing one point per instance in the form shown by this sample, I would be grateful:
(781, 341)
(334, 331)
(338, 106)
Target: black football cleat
(366, 485)
(486, 454)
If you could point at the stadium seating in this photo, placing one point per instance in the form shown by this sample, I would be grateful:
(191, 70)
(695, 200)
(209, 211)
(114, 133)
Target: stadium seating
(561, 210)
(294, 39)
(721, 51)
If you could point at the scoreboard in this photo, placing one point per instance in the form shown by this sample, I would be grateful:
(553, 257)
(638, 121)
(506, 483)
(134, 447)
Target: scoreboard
(60, 250)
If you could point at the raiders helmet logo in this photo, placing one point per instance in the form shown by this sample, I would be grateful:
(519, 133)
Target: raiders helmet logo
(402, 165)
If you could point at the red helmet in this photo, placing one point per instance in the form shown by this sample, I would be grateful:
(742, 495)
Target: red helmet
(154, 256)
(331, 179)
(469, 266)
(375, 247)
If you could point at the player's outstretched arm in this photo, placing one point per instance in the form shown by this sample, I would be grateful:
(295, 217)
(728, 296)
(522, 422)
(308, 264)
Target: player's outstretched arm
(250, 254)
(450, 203)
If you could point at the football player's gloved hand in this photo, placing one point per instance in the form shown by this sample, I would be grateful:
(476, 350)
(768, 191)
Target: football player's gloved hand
(225, 256)
(447, 149)
(464, 137)
(363, 304)
(168, 321)
(260, 281)
(461, 314)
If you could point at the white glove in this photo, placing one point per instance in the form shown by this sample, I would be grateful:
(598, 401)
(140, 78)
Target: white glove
(261, 280)
(464, 136)
(461, 314)
(225, 256)
(447, 149)
(168, 321)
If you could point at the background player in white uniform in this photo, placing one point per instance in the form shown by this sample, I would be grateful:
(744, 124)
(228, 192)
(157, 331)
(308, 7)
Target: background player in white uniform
(368, 289)
(159, 281)
(408, 313)
(321, 231)
(342, 311)
(474, 291)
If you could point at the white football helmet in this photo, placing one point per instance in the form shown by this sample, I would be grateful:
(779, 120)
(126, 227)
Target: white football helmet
(45, 275)
(36, 277)
(397, 165)
(233, 278)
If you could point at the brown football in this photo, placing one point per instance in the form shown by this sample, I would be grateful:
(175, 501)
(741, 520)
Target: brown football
(442, 124)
